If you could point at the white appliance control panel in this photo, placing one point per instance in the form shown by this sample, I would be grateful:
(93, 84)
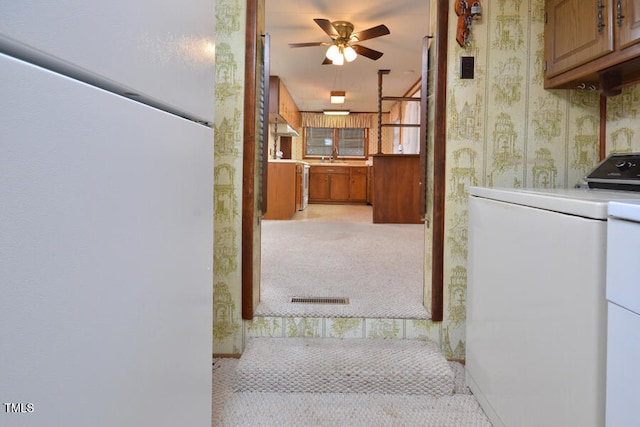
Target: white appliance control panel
(617, 172)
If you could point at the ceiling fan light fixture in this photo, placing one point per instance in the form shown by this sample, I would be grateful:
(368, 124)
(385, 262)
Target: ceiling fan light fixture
(339, 59)
(350, 54)
(337, 96)
(333, 52)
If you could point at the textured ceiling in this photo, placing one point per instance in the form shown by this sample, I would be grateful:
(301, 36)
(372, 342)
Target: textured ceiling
(310, 82)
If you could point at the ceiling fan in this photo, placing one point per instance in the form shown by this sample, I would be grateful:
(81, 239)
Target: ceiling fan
(343, 41)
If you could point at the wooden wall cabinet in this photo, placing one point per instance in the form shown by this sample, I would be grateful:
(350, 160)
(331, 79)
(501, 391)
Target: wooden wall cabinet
(592, 44)
(281, 105)
(337, 184)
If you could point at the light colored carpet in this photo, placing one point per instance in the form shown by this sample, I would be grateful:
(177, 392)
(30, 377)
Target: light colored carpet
(330, 365)
(271, 409)
(379, 267)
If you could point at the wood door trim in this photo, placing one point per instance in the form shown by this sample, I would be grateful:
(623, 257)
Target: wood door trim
(424, 117)
(248, 157)
(439, 170)
(439, 162)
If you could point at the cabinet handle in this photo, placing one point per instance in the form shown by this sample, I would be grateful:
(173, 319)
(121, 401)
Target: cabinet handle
(619, 14)
(600, 16)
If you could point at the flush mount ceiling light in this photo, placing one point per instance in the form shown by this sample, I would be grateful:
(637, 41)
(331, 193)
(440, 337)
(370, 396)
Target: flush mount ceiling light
(337, 96)
(336, 112)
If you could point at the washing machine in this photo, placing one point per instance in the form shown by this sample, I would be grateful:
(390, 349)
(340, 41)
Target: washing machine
(536, 325)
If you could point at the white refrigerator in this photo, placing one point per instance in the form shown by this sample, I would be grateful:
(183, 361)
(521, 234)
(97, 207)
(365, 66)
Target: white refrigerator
(106, 201)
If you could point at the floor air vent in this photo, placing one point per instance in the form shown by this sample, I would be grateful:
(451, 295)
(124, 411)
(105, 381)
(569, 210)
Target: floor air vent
(320, 300)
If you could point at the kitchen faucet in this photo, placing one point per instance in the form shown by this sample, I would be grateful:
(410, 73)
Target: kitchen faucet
(334, 155)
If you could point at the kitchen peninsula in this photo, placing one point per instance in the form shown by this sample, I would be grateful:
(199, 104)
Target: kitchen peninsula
(286, 188)
(396, 188)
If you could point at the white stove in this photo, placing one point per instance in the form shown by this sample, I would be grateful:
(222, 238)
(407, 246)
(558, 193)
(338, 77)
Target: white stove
(623, 330)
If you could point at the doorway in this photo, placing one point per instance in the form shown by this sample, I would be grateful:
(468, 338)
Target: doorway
(336, 252)
(437, 176)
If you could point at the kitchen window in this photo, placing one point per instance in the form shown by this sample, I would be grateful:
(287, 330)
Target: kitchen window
(339, 143)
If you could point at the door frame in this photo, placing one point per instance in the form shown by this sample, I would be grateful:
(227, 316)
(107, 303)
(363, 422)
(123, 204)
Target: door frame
(251, 212)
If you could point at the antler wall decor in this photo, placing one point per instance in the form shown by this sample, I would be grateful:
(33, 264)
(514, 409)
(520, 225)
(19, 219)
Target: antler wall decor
(466, 15)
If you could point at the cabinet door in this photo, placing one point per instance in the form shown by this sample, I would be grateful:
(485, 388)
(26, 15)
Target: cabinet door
(340, 186)
(358, 186)
(627, 22)
(576, 32)
(318, 186)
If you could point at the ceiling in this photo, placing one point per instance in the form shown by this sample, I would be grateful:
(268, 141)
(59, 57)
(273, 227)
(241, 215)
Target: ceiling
(309, 82)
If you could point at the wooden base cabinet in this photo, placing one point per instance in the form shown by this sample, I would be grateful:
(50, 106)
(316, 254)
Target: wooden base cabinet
(281, 190)
(358, 184)
(337, 184)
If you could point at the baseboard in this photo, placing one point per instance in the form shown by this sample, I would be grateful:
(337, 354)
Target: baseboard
(226, 356)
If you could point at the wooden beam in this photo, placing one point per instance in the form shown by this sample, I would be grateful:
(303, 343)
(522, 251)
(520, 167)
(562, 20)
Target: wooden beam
(603, 128)
(380, 74)
(610, 84)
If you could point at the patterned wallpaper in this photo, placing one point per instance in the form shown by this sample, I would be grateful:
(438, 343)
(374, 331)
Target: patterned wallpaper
(503, 129)
(230, 41)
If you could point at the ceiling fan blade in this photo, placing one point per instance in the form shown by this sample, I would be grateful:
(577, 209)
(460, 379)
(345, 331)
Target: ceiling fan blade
(327, 61)
(327, 27)
(308, 44)
(380, 30)
(365, 51)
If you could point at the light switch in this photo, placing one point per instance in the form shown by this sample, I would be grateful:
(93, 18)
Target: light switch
(466, 67)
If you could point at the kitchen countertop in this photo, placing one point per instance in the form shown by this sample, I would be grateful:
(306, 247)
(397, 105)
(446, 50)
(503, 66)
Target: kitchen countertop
(339, 164)
(287, 161)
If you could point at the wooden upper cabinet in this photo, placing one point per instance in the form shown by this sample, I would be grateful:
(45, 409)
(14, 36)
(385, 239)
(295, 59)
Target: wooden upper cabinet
(281, 104)
(577, 31)
(627, 17)
(592, 44)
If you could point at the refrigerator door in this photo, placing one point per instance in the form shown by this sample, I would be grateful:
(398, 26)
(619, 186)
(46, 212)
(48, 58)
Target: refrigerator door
(106, 248)
(160, 51)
